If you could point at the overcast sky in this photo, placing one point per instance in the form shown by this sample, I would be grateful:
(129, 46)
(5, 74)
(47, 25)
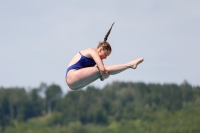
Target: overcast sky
(38, 38)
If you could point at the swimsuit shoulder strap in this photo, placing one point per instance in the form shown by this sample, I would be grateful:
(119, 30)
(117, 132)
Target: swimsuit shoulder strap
(80, 53)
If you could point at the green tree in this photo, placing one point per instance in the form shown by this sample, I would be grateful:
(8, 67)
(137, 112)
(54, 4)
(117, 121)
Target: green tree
(53, 96)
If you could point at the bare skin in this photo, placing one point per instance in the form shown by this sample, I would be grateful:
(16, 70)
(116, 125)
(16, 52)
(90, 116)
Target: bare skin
(77, 79)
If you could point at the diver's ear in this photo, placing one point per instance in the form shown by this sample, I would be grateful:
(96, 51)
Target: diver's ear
(101, 48)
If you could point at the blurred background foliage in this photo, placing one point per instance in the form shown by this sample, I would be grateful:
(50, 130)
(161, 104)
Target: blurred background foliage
(116, 108)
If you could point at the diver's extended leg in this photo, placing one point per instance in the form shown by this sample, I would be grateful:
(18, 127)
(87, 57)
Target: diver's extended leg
(77, 79)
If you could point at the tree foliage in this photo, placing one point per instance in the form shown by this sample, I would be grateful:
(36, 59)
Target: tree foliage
(115, 108)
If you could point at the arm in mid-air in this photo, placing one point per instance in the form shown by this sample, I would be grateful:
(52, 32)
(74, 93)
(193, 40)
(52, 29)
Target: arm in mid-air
(104, 73)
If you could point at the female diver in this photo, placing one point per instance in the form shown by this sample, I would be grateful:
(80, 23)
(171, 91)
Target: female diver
(82, 70)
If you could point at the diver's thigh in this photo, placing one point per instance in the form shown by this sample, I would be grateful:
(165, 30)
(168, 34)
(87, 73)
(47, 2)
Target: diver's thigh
(82, 75)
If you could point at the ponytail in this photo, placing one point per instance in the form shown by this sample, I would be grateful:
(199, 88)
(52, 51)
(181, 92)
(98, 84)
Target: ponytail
(105, 44)
(106, 37)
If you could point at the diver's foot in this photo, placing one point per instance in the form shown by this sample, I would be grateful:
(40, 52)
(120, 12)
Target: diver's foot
(133, 64)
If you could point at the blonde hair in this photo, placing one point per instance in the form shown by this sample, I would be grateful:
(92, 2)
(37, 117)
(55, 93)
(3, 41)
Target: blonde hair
(105, 45)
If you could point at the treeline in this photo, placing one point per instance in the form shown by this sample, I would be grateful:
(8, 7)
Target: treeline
(116, 108)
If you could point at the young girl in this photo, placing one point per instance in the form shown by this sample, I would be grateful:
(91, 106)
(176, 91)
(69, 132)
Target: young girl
(82, 70)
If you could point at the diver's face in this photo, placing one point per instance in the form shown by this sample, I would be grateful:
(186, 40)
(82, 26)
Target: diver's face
(103, 53)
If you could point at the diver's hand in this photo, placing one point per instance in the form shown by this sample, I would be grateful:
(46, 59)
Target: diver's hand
(104, 75)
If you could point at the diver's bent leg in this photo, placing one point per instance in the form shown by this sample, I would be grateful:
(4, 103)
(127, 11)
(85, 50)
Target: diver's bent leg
(119, 68)
(77, 79)
(82, 86)
(116, 68)
(85, 76)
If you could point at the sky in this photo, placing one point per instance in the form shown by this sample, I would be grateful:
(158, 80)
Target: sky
(39, 38)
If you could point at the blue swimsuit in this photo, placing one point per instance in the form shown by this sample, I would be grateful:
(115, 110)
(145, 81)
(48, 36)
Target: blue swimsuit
(82, 63)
